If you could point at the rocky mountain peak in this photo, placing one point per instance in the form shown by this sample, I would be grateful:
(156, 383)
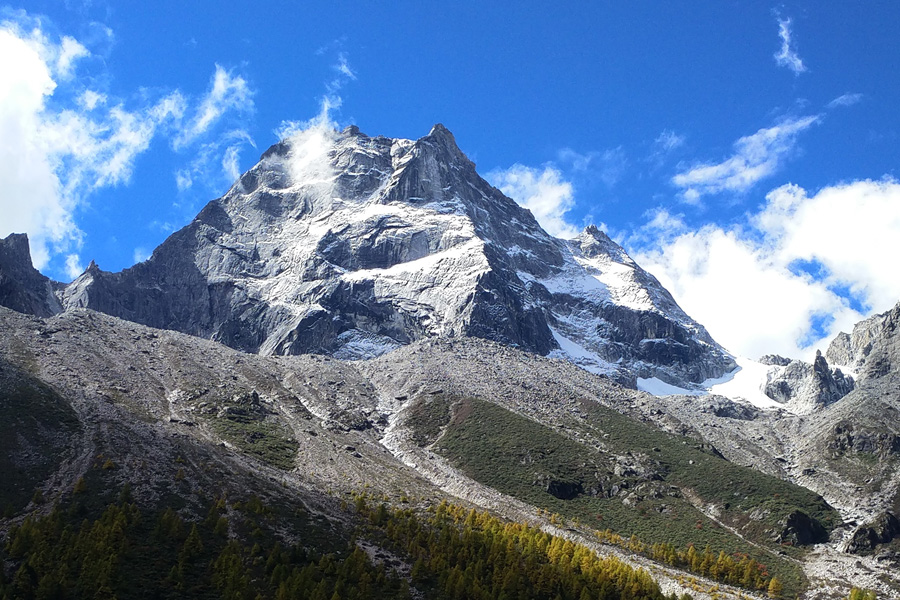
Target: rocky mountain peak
(343, 244)
(22, 287)
(594, 242)
(16, 249)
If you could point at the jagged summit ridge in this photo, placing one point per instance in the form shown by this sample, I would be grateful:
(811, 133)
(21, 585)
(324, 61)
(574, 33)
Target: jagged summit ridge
(344, 244)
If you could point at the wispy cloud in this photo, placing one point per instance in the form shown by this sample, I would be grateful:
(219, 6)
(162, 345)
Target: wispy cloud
(665, 144)
(227, 92)
(787, 55)
(845, 100)
(343, 75)
(543, 191)
(73, 266)
(667, 141)
(755, 157)
(216, 163)
(140, 254)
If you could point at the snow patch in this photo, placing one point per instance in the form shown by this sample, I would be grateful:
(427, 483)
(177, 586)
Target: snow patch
(579, 355)
(363, 345)
(658, 387)
(746, 383)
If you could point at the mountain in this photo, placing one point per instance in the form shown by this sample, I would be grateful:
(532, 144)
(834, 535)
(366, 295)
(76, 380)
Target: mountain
(286, 396)
(347, 245)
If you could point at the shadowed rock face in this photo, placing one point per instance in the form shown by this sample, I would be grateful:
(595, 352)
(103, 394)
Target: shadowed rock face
(801, 530)
(881, 530)
(343, 244)
(22, 287)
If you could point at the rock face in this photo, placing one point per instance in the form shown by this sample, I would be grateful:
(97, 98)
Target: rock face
(343, 244)
(806, 387)
(852, 349)
(884, 528)
(801, 530)
(22, 287)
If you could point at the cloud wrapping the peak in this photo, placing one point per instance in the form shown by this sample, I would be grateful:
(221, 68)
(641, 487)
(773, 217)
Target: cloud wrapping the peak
(755, 157)
(787, 55)
(543, 191)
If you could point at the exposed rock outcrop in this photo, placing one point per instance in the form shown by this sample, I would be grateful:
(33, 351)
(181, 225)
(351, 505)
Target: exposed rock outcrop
(881, 530)
(806, 387)
(799, 529)
(852, 349)
(22, 287)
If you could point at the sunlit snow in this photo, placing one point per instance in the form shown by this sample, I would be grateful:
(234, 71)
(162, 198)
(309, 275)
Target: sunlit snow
(745, 383)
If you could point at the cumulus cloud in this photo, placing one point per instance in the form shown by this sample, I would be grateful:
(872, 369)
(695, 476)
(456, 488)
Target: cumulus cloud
(755, 157)
(799, 270)
(59, 143)
(787, 55)
(543, 191)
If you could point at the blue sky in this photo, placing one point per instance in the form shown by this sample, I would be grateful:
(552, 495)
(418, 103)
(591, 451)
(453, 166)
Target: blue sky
(744, 152)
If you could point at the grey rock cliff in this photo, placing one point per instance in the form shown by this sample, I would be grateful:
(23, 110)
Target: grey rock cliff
(22, 287)
(852, 349)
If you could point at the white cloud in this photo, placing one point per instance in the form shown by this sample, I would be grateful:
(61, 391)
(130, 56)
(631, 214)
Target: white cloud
(742, 282)
(787, 55)
(89, 100)
(73, 266)
(344, 74)
(755, 157)
(226, 93)
(216, 163)
(308, 162)
(543, 191)
(183, 180)
(845, 100)
(667, 141)
(343, 67)
(60, 143)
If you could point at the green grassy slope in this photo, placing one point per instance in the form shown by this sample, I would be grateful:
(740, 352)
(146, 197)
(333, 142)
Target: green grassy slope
(646, 491)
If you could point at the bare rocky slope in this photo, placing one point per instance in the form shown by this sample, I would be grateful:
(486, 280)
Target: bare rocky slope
(404, 426)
